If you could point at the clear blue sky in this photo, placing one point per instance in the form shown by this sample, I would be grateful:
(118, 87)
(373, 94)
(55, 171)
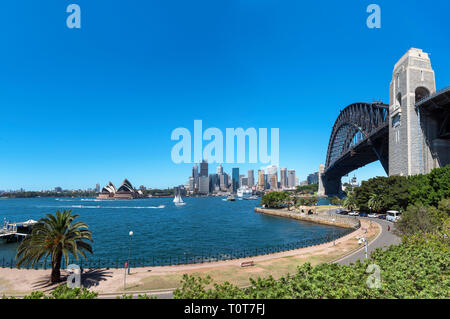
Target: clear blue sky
(97, 104)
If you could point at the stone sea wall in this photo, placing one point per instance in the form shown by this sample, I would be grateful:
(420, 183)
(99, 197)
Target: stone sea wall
(334, 220)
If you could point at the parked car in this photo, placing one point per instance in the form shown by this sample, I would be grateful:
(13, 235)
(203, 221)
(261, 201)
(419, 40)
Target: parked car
(393, 215)
(382, 216)
(363, 214)
(373, 215)
(344, 212)
(353, 214)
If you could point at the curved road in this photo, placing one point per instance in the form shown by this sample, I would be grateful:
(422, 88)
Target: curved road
(384, 239)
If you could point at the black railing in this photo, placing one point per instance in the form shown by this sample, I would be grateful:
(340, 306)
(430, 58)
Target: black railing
(206, 257)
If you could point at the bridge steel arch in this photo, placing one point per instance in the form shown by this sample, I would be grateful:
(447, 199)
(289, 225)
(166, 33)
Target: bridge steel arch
(360, 136)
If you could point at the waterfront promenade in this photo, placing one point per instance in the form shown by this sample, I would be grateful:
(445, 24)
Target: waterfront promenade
(160, 281)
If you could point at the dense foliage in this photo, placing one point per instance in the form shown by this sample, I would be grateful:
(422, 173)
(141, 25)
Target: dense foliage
(431, 188)
(398, 192)
(306, 201)
(62, 292)
(336, 200)
(350, 202)
(284, 199)
(275, 199)
(417, 268)
(419, 218)
(307, 189)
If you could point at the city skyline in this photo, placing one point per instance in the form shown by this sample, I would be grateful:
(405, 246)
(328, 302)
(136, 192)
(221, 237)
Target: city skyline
(219, 182)
(87, 106)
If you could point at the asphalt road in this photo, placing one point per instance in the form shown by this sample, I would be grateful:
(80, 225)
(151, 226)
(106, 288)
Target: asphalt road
(385, 239)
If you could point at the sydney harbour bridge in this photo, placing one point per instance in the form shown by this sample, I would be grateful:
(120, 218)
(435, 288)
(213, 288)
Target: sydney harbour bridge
(410, 135)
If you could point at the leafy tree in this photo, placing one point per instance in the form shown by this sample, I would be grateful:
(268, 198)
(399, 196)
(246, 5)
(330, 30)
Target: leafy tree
(421, 219)
(55, 236)
(398, 192)
(274, 199)
(336, 200)
(375, 203)
(429, 189)
(307, 201)
(350, 202)
(307, 189)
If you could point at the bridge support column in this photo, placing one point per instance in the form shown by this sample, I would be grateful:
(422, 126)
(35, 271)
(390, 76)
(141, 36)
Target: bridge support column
(328, 186)
(321, 190)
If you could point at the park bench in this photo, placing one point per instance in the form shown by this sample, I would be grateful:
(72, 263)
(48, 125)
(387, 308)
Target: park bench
(247, 263)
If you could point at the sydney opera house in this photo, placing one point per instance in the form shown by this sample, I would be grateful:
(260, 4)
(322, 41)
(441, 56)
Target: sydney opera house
(125, 191)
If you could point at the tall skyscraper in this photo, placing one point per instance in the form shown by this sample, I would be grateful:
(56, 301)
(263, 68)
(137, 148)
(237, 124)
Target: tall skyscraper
(224, 182)
(191, 184)
(235, 179)
(261, 183)
(214, 182)
(273, 182)
(204, 168)
(204, 185)
(195, 177)
(219, 169)
(251, 178)
(291, 178)
(283, 177)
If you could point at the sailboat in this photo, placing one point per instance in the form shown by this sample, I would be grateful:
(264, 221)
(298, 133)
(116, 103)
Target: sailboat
(178, 200)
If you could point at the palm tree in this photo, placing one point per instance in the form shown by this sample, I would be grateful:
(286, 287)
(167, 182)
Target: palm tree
(55, 236)
(375, 202)
(350, 202)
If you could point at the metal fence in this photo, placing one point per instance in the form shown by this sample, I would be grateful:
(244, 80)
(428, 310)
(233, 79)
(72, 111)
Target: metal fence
(207, 257)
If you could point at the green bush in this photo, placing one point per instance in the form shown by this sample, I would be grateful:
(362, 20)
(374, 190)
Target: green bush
(275, 199)
(417, 268)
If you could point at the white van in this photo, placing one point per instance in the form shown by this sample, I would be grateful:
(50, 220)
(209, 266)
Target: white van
(393, 215)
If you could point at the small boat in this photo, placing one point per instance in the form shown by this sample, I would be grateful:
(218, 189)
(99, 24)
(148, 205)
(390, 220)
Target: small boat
(231, 198)
(253, 197)
(178, 201)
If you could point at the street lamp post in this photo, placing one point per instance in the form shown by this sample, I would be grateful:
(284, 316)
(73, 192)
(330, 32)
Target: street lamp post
(364, 240)
(129, 251)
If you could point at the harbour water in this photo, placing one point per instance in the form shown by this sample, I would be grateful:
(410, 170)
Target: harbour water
(208, 225)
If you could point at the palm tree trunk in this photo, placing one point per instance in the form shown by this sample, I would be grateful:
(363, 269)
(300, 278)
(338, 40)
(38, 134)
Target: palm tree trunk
(56, 269)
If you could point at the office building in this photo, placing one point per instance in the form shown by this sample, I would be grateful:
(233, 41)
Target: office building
(261, 183)
(203, 185)
(273, 182)
(235, 179)
(195, 177)
(251, 178)
(291, 178)
(224, 182)
(313, 178)
(204, 168)
(283, 178)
